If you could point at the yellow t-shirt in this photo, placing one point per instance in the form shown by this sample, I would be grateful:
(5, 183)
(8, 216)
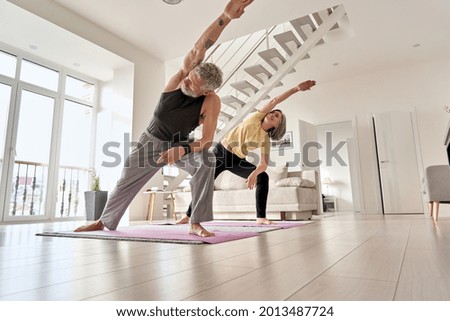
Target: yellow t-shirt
(248, 136)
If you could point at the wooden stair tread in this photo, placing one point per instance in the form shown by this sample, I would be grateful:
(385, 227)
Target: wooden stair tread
(271, 56)
(257, 70)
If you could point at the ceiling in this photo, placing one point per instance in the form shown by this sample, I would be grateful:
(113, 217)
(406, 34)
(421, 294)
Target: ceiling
(383, 33)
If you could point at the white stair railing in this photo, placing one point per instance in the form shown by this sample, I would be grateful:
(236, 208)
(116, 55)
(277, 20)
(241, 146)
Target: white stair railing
(258, 71)
(286, 67)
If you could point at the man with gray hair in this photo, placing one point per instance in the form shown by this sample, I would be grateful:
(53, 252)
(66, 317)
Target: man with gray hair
(187, 101)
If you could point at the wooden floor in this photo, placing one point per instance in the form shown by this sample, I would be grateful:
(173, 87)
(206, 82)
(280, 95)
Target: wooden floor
(339, 257)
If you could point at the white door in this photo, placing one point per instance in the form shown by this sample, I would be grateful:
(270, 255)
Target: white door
(310, 153)
(397, 163)
(309, 146)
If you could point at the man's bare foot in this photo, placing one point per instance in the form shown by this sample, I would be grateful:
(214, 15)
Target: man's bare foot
(264, 221)
(96, 226)
(197, 229)
(183, 220)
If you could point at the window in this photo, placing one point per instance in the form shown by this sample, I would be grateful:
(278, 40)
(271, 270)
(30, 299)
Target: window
(39, 75)
(73, 177)
(76, 134)
(5, 95)
(79, 89)
(34, 133)
(35, 127)
(52, 134)
(8, 64)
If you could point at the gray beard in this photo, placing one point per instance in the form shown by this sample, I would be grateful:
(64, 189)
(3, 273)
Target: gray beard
(187, 91)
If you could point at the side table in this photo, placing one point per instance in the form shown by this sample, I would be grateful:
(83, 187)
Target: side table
(152, 199)
(330, 202)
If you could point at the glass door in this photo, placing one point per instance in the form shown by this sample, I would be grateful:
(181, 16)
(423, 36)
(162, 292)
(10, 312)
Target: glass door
(47, 121)
(74, 172)
(76, 145)
(5, 103)
(32, 141)
(8, 65)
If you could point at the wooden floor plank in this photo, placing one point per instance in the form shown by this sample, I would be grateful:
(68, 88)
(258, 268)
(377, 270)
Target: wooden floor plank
(279, 280)
(176, 287)
(326, 288)
(425, 276)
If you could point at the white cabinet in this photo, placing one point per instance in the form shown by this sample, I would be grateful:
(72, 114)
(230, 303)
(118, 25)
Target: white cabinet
(330, 203)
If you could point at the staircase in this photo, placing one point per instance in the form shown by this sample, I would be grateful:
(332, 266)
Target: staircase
(275, 65)
(267, 68)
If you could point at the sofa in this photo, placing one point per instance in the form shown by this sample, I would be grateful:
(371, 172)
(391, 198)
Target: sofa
(436, 187)
(293, 195)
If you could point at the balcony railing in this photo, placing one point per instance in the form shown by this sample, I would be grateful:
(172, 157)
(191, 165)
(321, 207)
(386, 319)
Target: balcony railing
(29, 189)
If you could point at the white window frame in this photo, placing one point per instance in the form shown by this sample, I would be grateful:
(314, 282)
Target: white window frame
(17, 86)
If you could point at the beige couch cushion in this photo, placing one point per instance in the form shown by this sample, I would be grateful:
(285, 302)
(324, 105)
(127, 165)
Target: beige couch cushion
(279, 199)
(229, 181)
(276, 173)
(295, 181)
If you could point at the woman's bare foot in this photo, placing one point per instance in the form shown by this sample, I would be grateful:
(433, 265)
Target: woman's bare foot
(183, 220)
(264, 221)
(96, 226)
(197, 229)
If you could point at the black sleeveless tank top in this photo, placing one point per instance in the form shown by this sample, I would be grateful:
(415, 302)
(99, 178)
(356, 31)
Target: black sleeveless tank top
(175, 116)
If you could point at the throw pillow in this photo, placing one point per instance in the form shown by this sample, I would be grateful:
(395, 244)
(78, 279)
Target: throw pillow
(276, 173)
(229, 181)
(295, 181)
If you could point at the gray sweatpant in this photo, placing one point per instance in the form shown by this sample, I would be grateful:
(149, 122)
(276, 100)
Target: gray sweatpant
(141, 165)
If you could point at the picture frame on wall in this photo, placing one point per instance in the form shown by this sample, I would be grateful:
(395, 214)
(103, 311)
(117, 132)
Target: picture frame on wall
(284, 143)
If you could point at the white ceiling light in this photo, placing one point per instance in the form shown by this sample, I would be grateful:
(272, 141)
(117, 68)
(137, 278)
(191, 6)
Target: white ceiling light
(172, 1)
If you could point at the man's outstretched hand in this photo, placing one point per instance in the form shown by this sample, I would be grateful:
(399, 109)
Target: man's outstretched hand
(235, 8)
(171, 156)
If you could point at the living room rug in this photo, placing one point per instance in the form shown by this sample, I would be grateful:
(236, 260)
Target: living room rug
(225, 231)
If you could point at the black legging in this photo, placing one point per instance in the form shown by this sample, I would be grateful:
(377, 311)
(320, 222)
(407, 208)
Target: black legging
(226, 160)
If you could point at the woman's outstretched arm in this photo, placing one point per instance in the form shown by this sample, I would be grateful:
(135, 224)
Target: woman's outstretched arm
(306, 85)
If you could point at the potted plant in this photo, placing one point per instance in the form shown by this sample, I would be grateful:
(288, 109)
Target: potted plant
(95, 199)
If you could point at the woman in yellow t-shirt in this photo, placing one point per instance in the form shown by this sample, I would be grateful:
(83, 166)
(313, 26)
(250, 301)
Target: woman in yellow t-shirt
(255, 132)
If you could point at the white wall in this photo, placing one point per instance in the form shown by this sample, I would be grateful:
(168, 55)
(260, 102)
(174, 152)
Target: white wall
(114, 121)
(149, 83)
(422, 87)
(293, 155)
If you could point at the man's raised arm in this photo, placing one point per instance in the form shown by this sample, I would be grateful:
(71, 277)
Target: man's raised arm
(233, 10)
